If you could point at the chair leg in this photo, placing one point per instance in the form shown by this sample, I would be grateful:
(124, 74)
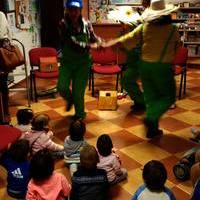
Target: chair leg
(89, 81)
(181, 86)
(31, 85)
(184, 83)
(121, 76)
(34, 87)
(117, 81)
(92, 77)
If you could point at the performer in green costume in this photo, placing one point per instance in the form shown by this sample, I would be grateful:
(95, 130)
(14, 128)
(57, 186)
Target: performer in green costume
(160, 40)
(77, 37)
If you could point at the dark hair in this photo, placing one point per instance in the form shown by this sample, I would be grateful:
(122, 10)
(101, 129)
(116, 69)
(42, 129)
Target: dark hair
(19, 150)
(39, 122)
(41, 165)
(24, 116)
(89, 157)
(77, 130)
(154, 175)
(104, 145)
(163, 20)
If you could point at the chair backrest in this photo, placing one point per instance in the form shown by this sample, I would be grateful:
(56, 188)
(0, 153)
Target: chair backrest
(36, 53)
(105, 56)
(181, 56)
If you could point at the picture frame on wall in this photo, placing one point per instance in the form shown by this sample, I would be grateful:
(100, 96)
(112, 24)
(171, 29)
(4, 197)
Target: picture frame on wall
(125, 2)
(22, 14)
(11, 18)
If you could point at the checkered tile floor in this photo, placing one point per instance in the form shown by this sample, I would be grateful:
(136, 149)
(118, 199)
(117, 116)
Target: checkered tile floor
(127, 132)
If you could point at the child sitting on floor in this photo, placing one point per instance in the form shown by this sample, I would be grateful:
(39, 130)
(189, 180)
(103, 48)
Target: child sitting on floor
(24, 118)
(89, 182)
(45, 183)
(109, 160)
(73, 143)
(40, 136)
(15, 161)
(154, 175)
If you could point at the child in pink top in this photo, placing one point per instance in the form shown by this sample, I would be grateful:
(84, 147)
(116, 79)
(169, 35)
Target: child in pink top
(109, 160)
(45, 183)
(40, 136)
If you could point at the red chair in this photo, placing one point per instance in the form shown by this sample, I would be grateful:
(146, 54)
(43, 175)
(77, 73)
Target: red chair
(180, 68)
(9, 135)
(105, 63)
(35, 72)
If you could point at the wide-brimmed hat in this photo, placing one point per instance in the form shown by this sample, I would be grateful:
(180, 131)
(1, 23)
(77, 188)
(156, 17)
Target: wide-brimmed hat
(157, 9)
(124, 14)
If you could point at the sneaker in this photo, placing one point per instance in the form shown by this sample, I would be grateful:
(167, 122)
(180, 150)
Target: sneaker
(154, 134)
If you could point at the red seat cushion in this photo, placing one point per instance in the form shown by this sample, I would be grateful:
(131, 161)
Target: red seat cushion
(46, 74)
(8, 135)
(106, 69)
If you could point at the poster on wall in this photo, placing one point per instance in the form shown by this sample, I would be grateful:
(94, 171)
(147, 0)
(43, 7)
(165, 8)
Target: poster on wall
(126, 2)
(22, 14)
(98, 10)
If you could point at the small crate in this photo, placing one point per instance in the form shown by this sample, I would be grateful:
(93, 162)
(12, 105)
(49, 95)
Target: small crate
(107, 100)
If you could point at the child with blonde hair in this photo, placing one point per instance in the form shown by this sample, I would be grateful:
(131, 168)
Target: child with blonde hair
(40, 136)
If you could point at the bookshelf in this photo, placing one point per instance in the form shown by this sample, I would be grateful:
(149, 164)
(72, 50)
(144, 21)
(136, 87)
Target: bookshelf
(188, 19)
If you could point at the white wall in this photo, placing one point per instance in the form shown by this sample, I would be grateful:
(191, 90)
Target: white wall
(28, 34)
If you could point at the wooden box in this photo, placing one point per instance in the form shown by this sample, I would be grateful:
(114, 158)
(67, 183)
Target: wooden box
(107, 100)
(48, 64)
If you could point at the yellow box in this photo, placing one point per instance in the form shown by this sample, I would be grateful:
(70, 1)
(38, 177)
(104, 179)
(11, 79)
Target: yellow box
(107, 100)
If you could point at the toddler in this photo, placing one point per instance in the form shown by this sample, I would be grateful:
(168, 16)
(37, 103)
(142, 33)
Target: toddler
(24, 118)
(45, 183)
(40, 136)
(154, 175)
(89, 182)
(109, 160)
(15, 161)
(73, 143)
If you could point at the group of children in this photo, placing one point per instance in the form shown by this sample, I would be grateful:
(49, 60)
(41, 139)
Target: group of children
(30, 165)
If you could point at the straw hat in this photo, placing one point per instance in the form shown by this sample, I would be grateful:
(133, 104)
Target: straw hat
(124, 14)
(157, 9)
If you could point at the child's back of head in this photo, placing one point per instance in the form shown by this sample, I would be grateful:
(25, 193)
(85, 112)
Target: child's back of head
(104, 145)
(154, 175)
(77, 130)
(24, 116)
(19, 150)
(89, 157)
(40, 122)
(41, 165)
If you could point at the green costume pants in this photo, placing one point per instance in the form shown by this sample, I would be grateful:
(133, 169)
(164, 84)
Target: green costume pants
(159, 89)
(129, 83)
(78, 76)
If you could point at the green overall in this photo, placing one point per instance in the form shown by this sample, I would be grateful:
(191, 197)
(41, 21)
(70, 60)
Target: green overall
(74, 68)
(131, 75)
(158, 85)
